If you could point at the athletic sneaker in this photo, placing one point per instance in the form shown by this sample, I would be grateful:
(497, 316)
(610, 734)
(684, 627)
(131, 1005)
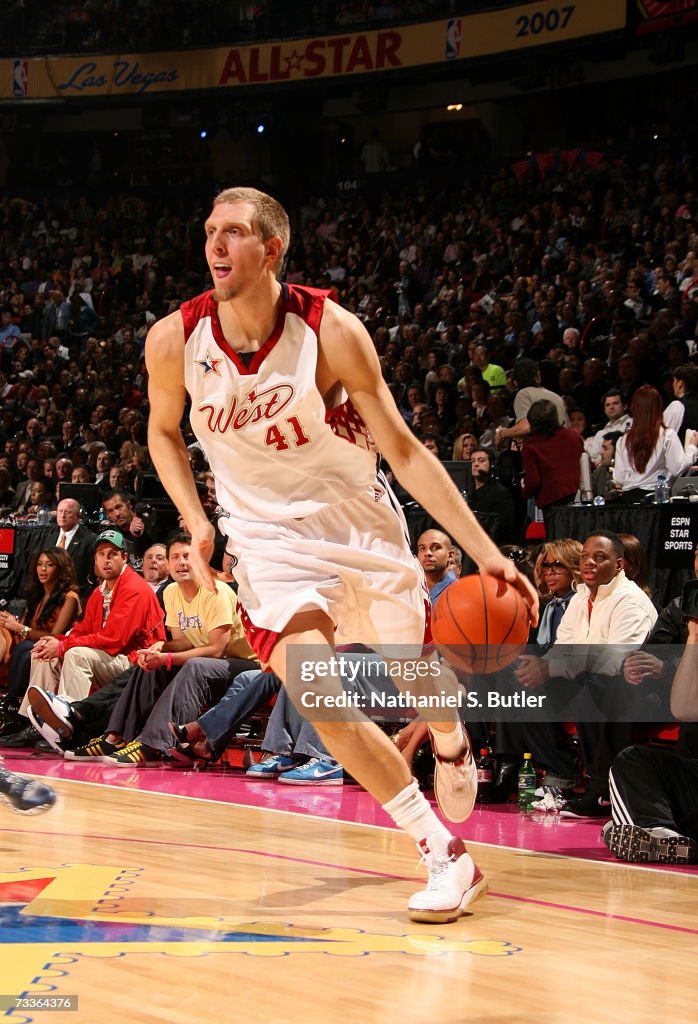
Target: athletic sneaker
(642, 846)
(96, 750)
(587, 806)
(314, 772)
(26, 796)
(51, 717)
(271, 766)
(455, 881)
(135, 754)
(455, 783)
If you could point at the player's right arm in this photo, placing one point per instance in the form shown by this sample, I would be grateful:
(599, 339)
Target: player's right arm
(164, 357)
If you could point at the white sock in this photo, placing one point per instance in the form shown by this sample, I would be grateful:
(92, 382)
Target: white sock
(449, 745)
(411, 812)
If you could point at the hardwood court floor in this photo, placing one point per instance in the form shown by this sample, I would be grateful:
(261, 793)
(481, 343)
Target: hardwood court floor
(152, 907)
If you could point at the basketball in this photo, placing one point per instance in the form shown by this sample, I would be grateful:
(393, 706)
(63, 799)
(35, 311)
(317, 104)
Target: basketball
(480, 623)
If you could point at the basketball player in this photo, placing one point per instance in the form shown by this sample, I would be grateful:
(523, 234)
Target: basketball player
(288, 403)
(27, 796)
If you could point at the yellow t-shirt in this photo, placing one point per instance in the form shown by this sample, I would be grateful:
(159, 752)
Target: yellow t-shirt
(205, 612)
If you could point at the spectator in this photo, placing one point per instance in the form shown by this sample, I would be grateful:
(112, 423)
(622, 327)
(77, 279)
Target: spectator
(121, 616)
(155, 571)
(681, 415)
(77, 541)
(435, 552)
(617, 420)
(527, 378)
(492, 374)
(649, 448)
(52, 607)
(607, 609)
(602, 478)
(635, 562)
(589, 393)
(200, 624)
(463, 447)
(654, 792)
(22, 499)
(557, 571)
(491, 498)
(550, 455)
(118, 505)
(41, 499)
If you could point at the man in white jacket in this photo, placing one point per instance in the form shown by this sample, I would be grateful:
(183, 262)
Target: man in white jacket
(608, 611)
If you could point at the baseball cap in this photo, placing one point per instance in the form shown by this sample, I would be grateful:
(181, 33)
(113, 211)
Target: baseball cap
(110, 537)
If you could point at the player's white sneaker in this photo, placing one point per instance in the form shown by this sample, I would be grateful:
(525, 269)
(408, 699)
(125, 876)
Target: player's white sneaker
(455, 782)
(455, 881)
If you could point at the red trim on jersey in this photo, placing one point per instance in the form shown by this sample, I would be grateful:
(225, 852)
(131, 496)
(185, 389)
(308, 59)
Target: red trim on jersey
(194, 310)
(428, 645)
(307, 303)
(262, 641)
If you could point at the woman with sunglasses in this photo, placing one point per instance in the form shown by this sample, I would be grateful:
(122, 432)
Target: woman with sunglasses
(557, 575)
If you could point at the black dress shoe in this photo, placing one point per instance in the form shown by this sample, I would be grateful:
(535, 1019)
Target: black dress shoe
(42, 747)
(10, 722)
(505, 781)
(27, 737)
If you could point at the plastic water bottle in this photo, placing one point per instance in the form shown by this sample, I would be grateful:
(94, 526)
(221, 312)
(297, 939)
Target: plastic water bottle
(527, 784)
(485, 776)
(42, 517)
(661, 490)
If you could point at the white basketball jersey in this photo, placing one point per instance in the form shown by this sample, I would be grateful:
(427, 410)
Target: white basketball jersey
(274, 448)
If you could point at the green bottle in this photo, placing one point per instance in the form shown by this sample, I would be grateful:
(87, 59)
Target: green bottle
(527, 784)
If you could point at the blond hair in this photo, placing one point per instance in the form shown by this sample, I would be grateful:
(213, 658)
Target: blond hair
(270, 219)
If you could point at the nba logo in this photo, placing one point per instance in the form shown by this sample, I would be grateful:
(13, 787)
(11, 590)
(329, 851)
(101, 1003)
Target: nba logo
(453, 36)
(20, 78)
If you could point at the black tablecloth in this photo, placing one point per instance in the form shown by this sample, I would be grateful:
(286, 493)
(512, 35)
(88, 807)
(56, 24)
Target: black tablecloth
(649, 524)
(29, 540)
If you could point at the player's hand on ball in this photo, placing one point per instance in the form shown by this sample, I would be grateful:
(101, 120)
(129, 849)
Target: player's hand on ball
(504, 568)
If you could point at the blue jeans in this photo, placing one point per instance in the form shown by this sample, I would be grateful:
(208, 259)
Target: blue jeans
(247, 691)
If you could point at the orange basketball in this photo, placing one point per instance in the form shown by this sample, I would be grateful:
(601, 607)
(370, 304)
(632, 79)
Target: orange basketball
(480, 623)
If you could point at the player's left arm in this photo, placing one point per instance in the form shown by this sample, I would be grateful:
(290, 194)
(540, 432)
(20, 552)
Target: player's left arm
(684, 690)
(347, 355)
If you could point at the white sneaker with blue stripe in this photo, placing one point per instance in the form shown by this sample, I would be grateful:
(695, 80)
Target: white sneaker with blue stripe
(271, 766)
(314, 772)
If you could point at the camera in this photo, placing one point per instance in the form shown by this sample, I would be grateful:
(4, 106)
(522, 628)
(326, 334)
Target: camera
(689, 599)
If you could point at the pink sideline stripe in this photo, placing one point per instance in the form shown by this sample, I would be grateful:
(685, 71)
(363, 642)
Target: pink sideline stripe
(378, 874)
(595, 913)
